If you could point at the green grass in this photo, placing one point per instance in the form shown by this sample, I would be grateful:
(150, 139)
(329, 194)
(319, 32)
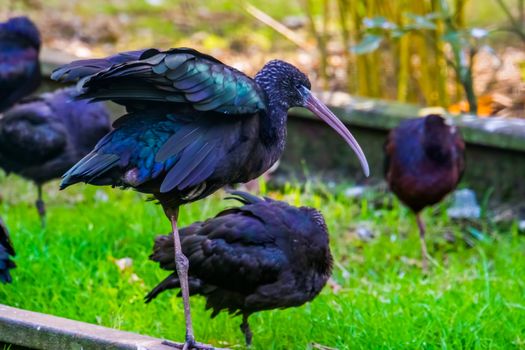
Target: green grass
(474, 300)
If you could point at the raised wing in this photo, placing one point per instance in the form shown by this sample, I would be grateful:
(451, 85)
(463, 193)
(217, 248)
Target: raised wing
(181, 76)
(83, 68)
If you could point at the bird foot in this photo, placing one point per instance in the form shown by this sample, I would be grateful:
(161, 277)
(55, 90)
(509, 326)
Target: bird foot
(191, 346)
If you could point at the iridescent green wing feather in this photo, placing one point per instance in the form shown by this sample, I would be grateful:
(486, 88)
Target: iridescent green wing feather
(181, 76)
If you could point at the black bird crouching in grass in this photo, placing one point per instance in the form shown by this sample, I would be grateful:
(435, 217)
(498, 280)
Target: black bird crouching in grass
(42, 137)
(261, 256)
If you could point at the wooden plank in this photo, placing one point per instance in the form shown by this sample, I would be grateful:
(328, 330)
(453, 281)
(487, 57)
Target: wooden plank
(34, 330)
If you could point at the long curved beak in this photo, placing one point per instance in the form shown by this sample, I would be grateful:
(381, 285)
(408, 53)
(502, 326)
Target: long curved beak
(320, 110)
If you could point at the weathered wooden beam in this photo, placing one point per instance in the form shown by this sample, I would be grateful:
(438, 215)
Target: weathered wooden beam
(34, 330)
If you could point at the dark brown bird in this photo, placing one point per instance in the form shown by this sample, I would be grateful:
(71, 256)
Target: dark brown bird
(424, 161)
(43, 136)
(261, 256)
(6, 252)
(193, 126)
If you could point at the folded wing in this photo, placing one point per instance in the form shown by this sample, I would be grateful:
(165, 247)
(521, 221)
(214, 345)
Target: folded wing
(233, 251)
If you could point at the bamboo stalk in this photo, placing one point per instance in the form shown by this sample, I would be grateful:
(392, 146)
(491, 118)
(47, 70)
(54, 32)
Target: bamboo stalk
(403, 77)
(320, 39)
(425, 78)
(443, 5)
(459, 13)
(373, 65)
(515, 26)
(431, 75)
(361, 61)
(441, 61)
(521, 5)
(465, 73)
(345, 35)
(324, 39)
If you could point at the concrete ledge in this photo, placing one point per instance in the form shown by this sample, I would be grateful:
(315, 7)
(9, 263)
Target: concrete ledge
(34, 330)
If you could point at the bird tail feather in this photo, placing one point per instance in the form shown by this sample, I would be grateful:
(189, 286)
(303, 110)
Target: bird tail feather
(170, 282)
(89, 168)
(195, 286)
(243, 197)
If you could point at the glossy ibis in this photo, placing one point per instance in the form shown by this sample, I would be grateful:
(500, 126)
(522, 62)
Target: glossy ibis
(6, 251)
(19, 65)
(193, 126)
(261, 256)
(424, 161)
(42, 137)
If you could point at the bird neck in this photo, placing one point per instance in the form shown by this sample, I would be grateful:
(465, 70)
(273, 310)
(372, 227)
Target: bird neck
(273, 119)
(273, 127)
(436, 144)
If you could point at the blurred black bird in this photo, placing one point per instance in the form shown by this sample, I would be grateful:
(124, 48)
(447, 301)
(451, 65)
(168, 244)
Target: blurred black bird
(193, 126)
(6, 251)
(19, 64)
(424, 161)
(42, 137)
(261, 256)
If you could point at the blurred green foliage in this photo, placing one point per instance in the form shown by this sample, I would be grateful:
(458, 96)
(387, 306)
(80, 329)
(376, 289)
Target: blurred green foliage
(439, 28)
(424, 52)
